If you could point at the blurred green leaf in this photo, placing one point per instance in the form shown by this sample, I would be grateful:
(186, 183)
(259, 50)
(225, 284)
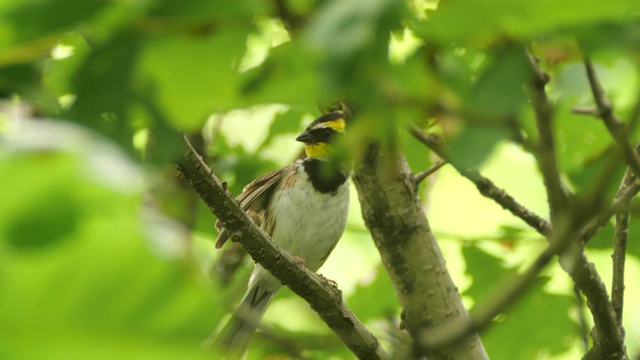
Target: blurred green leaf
(605, 237)
(349, 40)
(481, 21)
(104, 91)
(475, 143)
(190, 78)
(19, 78)
(27, 20)
(579, 138)
(287, 122)
(500, 89)
(507, 338)
(102, 293)
(195, 10)
(287, 76)
(380, 289)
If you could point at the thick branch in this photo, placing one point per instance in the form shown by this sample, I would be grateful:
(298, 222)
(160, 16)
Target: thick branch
(451, 333)
(392, 211)
(324, 298)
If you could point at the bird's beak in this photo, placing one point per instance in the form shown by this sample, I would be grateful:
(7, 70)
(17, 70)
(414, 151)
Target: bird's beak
(305, 137)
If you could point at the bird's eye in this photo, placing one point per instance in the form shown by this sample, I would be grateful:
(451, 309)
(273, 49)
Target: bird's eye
(323, 134)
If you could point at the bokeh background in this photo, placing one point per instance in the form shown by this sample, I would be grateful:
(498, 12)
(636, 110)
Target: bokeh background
(105, 253)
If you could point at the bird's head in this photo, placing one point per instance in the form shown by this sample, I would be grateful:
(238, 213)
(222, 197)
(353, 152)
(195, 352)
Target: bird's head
(320, 132)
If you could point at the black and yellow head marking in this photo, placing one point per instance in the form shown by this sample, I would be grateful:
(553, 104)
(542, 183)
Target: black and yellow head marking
(317, 136)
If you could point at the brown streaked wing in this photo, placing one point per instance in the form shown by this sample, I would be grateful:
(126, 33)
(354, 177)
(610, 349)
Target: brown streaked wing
(255, 199)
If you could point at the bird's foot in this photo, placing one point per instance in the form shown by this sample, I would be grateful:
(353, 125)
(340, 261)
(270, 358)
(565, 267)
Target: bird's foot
(300, 260)
(328, 281)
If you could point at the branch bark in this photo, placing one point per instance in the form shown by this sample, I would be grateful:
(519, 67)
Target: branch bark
(608, 339)
(620, 252)
(392, 211)
(323, 297)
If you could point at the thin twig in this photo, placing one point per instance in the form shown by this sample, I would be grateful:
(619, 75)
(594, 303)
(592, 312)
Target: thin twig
(562, 241)
(585, 110)
(546, 154)
(419, 177)
(323, 297)
(485, 186)
(584, 274)
(615, 126)
(620, 249)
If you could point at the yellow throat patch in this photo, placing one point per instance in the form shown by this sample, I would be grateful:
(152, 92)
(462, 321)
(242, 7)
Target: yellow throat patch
(316, 150)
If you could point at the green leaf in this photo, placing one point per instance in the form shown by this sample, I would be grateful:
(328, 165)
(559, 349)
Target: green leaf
(482, 21)
(103, 88)
(27, 20)
(103, 292)
(475, 143)
(488, 272)
(499, 91)
(206, 10)
(605, 237)
(287, 76)
(287, 122)
(380, 289)
(189, 78)
(507, 338)
(349, 40)
(579, 139)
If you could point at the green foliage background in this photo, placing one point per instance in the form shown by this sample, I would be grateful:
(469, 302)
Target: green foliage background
(105, 254)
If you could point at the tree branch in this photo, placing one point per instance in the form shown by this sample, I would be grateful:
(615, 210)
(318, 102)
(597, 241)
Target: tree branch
(485, 186)
(620, 244)
(615, 126)
(410, 253)
(451, 333)
(324, 298)
(291, 21)
(546, 153)
(609, 340)
(561, 241)
(619, 255)
(419, 177)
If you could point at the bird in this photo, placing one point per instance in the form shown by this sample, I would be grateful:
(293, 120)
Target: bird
(303, 208)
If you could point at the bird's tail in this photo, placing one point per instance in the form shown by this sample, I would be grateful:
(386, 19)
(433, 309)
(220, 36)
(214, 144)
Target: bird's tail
(233, 340)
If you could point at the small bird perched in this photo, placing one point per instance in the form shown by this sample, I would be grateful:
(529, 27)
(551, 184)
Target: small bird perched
(303, 207)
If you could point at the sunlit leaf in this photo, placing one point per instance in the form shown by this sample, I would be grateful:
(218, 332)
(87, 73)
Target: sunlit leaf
(190, 78)
(488, 20)
(507, 338)
(380, 289)
(500, 89)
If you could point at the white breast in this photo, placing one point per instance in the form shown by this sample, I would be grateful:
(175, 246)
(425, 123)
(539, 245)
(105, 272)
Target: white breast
(308, 222)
